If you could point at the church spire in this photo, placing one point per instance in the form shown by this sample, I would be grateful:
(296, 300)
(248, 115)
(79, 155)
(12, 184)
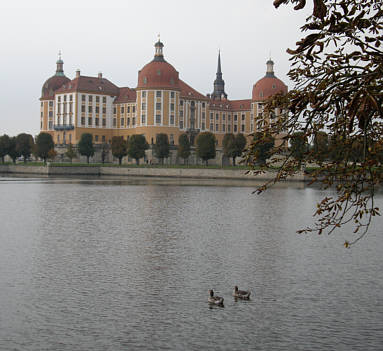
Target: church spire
(219, 83)
(60, 66)
(159, 55)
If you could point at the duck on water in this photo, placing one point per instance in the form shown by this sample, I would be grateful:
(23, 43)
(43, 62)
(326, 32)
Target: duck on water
(215, 300)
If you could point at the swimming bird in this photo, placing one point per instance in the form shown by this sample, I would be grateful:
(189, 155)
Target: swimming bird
(215, 300)
(241, 294)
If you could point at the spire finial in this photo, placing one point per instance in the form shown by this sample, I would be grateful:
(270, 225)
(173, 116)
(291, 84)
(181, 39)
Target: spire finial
(60, 55)
(159, 36)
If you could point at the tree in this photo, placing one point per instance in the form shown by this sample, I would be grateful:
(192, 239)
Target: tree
(261, 148)
(136, 147)
(161, 147)
(299, 146)
(119, 148)
(4, 146)
(24, 145)
(184, 148)
(44, 143)
(337, 70)
(85, 146)
(206, 146)
(320, 147)
(13, 152)
(233, 145)
(104, 151)
(70, 152)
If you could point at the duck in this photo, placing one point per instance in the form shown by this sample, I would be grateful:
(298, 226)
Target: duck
(215, 300)
(241, 294)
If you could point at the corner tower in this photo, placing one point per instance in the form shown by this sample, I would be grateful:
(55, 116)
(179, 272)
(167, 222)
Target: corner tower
(219, 83)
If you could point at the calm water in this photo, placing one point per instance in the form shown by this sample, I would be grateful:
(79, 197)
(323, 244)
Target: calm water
(117, 265)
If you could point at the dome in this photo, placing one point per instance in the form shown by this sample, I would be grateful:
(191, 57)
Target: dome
(51, 85)
(158, 73)
(55, 82)
(268, 85)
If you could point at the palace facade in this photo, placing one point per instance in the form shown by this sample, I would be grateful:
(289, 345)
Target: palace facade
(160, 103)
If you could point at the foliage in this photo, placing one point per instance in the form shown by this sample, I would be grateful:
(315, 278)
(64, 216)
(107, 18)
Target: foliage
(261, 148)
(337, 69)
(137, 145)
(206, 146)
(104, 151)
(24, 145)
(4, 146)
(233, 145)
(184, 148)
(161, 148)
(52, 154)
(13, 153)
(320, 148)
(299, 146)
(44, 143)
(85, 146)
(70, 152)
(119, 148)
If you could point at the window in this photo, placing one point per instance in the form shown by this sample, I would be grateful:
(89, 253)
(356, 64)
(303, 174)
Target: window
(122, 122)
(122, 109)
(41, 125)
(59, 108)
(64, 105)
(235, 128)
(90, 109)
(223, 127)
(211, 115)
(172, 119)
(114, 110)
(158, 93)
(203, 105)
(97, 121)
(50, 104)
(216, 116)
(235, 117)
(128, 109)
(104, 110)
(59, 99)
(229, 129)
(41, 114)
(90, 121)
(243, 117)
(128, 121)
(223, 117)
(158, 119)
(83, 98)
(143, 106)
(211, 127)
(103, 138)
(50, 114)
(134, 109)
(172, 94)
(83, 121)
(171, 139)
(158, 106)
(103, 122)
(229, 118)
(216, 128)
(171, 107)
(42, 104)
(114, 122)
(133, 121)
(181, 124)
(82, 108)
(203, 125)
(90, 98)
(243, 128)
(97, 99)
(104, 101)
(70, 107)
(143, 119)
(181, 102)
(143, 94)
(203, 115)
(50, 124)
(96, 138)
(97, 109)
(181, 113)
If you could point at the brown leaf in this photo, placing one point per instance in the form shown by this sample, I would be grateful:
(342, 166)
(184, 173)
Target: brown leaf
(320, 9)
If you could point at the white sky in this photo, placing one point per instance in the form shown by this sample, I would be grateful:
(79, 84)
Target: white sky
(116, 37)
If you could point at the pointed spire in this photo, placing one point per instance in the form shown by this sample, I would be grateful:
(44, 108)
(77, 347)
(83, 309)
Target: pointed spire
(219, 83)
(60, 66)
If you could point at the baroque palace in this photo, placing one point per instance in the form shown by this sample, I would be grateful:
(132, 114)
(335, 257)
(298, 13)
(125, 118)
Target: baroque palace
(161, 103)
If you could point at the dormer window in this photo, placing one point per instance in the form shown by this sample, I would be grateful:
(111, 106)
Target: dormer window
(261, 94)
(145, 80)
(274, 86)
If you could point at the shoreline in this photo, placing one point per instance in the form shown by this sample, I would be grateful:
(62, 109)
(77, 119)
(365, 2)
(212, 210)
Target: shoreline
(190, 173)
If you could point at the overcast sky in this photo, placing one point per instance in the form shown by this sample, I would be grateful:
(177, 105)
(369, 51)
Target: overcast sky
(117, 37)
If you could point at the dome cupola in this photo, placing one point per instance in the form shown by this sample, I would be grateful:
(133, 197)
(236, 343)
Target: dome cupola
(158, 73)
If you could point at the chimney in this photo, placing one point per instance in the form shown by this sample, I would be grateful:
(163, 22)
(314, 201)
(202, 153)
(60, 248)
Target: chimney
(99, 75)
(78, 73)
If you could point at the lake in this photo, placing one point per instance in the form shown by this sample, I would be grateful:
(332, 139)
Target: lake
(126, 264)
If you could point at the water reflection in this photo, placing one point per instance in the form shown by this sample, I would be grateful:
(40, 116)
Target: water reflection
(110, 264)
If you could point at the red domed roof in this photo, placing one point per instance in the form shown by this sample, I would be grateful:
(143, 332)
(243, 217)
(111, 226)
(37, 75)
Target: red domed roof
(158, 74)
(51, 85)
(268, 86)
